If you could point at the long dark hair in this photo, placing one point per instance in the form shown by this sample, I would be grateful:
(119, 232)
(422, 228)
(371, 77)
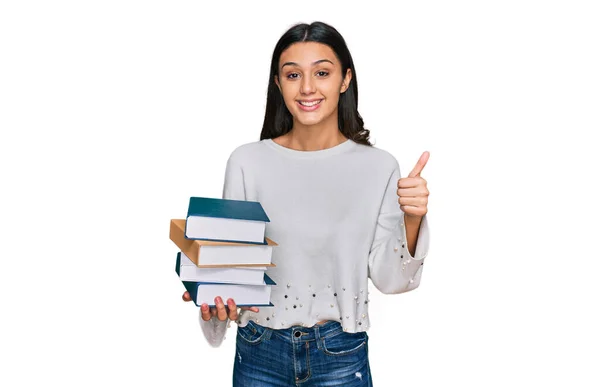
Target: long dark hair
(278, 120)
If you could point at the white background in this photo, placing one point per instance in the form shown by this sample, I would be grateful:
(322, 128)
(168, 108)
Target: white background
(114, 113)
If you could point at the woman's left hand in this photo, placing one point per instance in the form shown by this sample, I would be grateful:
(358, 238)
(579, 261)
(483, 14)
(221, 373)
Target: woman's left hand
(413, 192)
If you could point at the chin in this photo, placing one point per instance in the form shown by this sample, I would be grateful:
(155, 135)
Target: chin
(309, 122)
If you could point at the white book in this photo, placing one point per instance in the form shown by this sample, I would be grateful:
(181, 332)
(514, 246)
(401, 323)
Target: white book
(243, 295)
(188, 271)
(226, 220)
(229, 230)
(219, 253)
(236, 255)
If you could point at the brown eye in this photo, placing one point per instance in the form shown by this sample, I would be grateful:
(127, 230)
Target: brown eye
(322, 73)
(292, 76)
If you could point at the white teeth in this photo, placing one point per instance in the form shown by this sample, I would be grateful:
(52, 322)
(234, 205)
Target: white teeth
(309, 103)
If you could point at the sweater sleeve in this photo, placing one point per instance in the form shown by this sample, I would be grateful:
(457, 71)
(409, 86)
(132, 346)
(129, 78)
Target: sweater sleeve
(392, 268)
(233, 188)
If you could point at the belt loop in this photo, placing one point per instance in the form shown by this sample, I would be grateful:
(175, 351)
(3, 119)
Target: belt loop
(317, 332)
(318, 339)
(267, 334)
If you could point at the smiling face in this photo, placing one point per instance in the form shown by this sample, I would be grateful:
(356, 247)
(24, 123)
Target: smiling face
(311, 80)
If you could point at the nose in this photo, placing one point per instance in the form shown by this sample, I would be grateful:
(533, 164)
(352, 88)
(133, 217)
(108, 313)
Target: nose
(308, 85)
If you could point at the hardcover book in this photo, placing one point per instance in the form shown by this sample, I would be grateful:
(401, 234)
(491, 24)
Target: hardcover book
(226, 220)
(188, 271)
(207, 254)
(243, 294)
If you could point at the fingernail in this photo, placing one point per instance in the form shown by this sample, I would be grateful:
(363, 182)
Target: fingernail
(219, 300)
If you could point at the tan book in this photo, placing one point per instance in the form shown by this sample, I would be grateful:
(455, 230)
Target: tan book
(204, 253)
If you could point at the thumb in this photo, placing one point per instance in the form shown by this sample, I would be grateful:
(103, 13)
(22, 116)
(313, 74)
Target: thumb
(420, 165)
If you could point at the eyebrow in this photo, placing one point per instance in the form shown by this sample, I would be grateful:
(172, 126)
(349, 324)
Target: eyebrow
(314, 63)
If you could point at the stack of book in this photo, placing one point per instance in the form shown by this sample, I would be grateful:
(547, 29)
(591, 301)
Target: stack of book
(224, 251)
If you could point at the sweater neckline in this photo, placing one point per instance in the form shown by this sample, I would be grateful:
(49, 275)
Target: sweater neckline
(334, 150)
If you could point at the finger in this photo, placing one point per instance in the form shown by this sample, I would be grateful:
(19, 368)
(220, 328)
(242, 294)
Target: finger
(252, 308)
(414, 211)
(186, 297)
(221, 312)
(420, 165)
(419, 201)
(205, 310)
(233, 314)
(413, 192)
(411, 182)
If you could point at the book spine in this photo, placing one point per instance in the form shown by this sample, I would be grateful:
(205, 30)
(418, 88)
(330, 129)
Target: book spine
(192, 288)
(178, 264)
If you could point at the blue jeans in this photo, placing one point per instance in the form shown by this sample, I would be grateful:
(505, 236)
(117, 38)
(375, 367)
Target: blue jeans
(322, 355)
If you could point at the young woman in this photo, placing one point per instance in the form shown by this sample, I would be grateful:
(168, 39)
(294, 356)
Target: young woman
(340, 213)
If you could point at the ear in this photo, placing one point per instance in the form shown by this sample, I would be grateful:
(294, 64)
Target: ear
(276, 78)
(346, 81)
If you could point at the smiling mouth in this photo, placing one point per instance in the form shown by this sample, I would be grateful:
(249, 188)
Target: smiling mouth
(310, 104)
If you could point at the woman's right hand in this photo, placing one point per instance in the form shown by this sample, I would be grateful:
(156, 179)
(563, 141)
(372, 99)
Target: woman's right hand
(221, 311)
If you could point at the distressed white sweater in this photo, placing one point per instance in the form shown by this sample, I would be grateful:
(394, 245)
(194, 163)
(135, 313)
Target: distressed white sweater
(335, 216)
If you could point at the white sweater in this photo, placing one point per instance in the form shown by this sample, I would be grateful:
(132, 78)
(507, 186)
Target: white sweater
(335, 216)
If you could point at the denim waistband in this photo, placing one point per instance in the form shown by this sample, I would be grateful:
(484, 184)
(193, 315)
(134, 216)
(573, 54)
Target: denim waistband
(299, 333)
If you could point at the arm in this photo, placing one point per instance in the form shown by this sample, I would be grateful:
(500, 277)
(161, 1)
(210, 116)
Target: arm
(412, 225)
(214, 330)
(398, 248)
(233, 188)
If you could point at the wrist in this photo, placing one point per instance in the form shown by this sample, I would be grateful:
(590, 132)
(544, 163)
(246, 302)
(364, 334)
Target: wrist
(412, 219)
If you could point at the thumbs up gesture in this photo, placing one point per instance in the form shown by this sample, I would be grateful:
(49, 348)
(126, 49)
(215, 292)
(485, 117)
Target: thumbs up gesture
(413, 192)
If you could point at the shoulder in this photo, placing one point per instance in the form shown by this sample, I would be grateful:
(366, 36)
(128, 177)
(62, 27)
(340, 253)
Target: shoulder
(245, 152)
(377, 156)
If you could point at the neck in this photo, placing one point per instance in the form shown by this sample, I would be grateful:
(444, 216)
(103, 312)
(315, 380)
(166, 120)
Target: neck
(314, 137)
